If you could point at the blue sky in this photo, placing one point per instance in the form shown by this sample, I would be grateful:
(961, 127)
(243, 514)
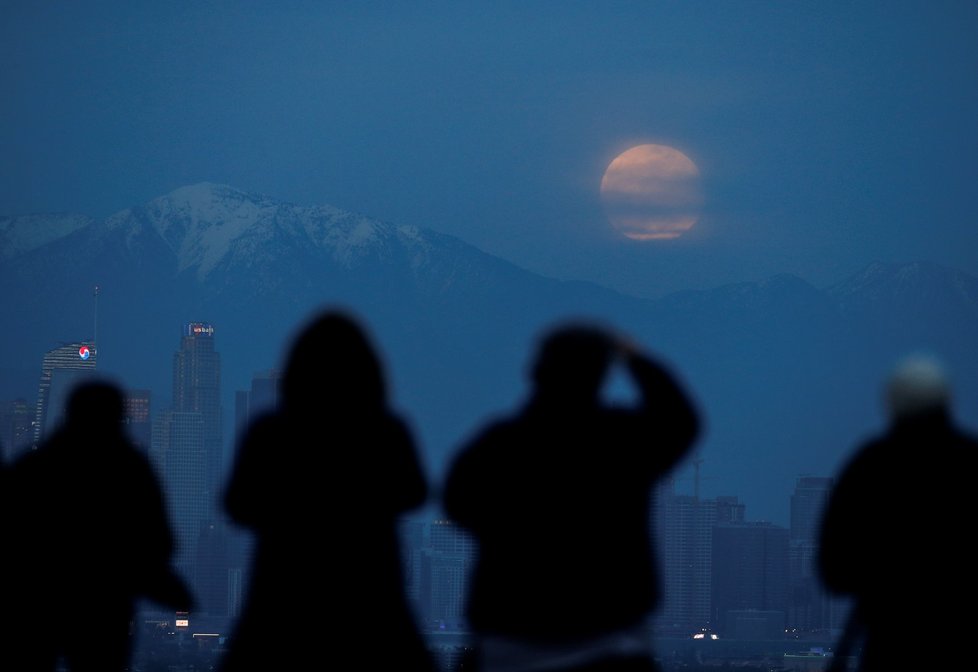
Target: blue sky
(828, 134)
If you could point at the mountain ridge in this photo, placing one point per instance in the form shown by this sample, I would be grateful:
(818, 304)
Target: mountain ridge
(199, 234)
(785, 373)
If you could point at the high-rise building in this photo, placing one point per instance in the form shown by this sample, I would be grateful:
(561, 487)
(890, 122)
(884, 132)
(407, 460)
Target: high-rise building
(61, 369)
(138, 419)
(187, 449)
(730, 510)
(16, 428)
(197, 389)
(179, 457)
(262, 396)
(683, 534)
(411, 535)
(807, 503)
(213, 579)
(446, 569)
(750, 578)
(684, 537)
(810, 608)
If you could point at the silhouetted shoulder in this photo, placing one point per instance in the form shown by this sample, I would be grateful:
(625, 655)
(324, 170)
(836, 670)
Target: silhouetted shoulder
(471, 479)
(847, 519)
(284, 461)
(408, 486)
(250, 481)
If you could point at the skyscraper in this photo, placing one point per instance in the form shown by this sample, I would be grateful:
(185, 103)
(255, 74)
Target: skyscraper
(811, 610)
(684, 538)
(187, 449)
(807, 503)
(750, 578)
(197, 389)
(179, 457)
(411, 532)
(61, 369)
(445, 574)
(684, 529)
(262, 396)
(138, 418)
(16, 427)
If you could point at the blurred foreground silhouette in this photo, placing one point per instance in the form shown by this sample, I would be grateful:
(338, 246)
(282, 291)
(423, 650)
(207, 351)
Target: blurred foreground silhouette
(893, 535)
(321, 482)
(558, 498)
(90, 538)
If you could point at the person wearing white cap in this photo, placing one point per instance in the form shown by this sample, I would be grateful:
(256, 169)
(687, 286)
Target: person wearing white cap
(896, 525)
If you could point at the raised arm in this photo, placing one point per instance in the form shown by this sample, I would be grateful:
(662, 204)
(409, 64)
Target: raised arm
(667, 409)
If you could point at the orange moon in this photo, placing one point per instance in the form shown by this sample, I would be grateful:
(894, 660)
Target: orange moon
(652, 192)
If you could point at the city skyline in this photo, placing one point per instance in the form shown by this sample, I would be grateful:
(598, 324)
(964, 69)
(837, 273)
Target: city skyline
(262, 396)
(688, 478)
(774, 200)
(786, 373)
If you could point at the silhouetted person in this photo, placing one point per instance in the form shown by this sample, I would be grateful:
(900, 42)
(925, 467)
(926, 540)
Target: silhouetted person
(557, 496)
(322, 482)
(89, 538)
(895, 531)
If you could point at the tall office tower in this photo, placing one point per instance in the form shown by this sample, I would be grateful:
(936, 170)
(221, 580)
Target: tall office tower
(262, 396)
(197, 389)
(138, 419)
(810, 609)
(188, 450)
(807, 503)
(61, 369)
(178, 453)
(16, 428)
(750, 579)
(237, 579)
(684, 538)
(445, 575)
(411, 535)
(730, 510)
(213, 577)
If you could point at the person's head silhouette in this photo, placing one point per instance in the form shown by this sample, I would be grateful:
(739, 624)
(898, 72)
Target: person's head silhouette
(96, 406)
(572, 362)
(332, 362)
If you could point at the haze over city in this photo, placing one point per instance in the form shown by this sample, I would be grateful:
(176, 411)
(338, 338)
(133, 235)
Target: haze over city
(826, 137)
(774, 198)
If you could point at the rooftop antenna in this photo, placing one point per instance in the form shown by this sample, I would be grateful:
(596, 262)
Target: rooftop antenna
(95, 317)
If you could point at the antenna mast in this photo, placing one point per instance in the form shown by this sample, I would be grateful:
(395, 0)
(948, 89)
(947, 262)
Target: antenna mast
(95, 318)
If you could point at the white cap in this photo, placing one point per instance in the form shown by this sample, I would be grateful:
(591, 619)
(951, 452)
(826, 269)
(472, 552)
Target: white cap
(917, 385)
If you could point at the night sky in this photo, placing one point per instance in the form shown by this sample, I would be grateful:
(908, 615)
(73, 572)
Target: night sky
(810, 138)
(827, 134)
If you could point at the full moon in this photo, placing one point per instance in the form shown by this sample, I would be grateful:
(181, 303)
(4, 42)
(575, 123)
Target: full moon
(652, 192)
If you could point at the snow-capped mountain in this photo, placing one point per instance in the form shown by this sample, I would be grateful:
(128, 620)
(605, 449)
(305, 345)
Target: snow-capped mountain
(786, 374)
(906, 286)
(256, 268)
(206, 224)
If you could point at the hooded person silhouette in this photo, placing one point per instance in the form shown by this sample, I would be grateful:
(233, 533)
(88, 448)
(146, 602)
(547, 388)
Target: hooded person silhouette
(321, 482)
(92, 538)
(558, 497)
(890, 532)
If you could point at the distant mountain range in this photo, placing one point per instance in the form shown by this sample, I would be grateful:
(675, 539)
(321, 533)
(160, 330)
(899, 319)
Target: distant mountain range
(787, 374)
